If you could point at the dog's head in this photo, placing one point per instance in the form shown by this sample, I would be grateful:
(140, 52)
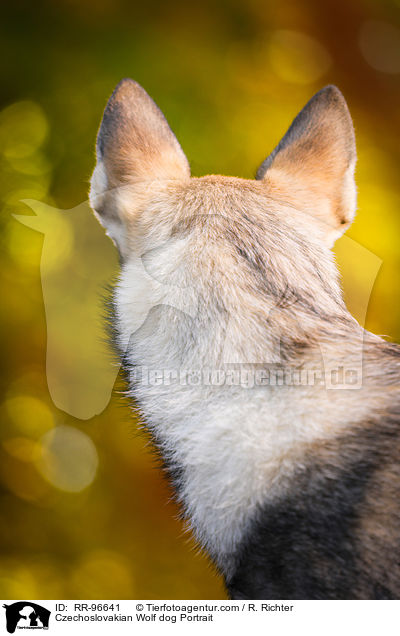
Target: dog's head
(266, 238)
(311, 169)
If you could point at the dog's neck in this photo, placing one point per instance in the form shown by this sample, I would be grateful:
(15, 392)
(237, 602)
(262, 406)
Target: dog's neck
(233, 438)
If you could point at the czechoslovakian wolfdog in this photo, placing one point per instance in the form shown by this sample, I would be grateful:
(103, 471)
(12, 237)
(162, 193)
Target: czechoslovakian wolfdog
(230, 322)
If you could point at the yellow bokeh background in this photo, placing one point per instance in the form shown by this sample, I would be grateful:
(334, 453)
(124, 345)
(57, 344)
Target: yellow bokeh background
(85, 510)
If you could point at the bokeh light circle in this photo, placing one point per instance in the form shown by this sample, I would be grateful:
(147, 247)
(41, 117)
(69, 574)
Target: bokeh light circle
(380, 45)
(23, 129)
(67, 459)
(296, 57)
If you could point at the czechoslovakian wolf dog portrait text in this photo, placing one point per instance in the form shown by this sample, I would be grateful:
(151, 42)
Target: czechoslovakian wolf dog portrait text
(230, 321)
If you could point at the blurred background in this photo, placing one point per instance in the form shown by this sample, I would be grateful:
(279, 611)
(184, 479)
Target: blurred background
(85, 511)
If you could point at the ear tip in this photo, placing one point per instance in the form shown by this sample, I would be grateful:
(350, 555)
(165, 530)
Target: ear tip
(126, 80)
(125, 88)
(124, 95)
(332, 96)
(331, 89)
(330, 93)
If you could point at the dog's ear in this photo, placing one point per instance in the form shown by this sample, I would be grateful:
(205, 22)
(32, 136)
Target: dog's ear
(135, 148)
(135, 141)
(313, 165)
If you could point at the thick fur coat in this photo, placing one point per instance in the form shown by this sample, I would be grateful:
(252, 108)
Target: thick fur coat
(277, 415)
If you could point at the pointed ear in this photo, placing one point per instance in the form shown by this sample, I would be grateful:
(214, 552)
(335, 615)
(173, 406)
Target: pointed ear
(135, 145)
(313, 165)
(135, 141)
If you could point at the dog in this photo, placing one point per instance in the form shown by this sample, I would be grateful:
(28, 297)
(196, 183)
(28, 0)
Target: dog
(231, 324)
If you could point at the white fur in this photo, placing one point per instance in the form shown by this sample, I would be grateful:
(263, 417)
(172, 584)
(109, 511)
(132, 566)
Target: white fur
(101, 197)
(238, 447)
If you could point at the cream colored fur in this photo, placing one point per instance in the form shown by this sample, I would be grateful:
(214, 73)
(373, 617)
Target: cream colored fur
(235, 447)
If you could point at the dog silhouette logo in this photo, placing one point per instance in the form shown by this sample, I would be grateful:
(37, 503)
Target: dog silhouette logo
(26, 615)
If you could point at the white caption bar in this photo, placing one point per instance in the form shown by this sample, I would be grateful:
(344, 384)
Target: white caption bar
(183, 617)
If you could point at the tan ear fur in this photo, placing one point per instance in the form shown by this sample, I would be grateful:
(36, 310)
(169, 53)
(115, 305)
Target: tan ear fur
(313, 165)
(135, 149)
(135, 141)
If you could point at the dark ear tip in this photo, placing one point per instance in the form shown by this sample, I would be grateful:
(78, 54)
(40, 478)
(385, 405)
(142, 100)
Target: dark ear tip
(331, 89)
(331, 99)
(331, 95)
(125, 92)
